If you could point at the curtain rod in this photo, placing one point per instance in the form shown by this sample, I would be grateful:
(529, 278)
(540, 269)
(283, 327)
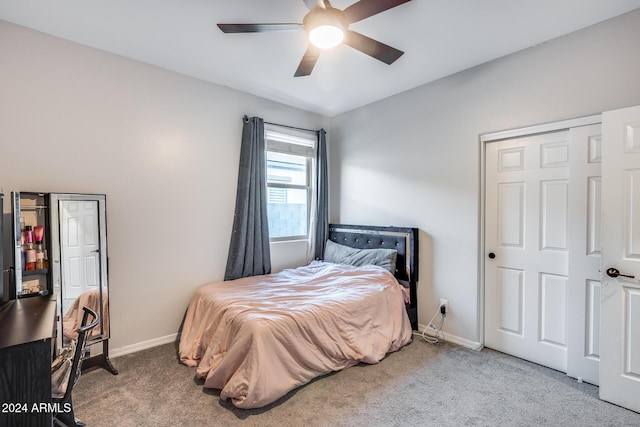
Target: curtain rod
(245, 118)
(291, 127)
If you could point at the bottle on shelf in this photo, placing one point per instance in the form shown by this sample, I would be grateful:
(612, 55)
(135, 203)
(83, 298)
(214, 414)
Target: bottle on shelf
(38, 233)
(28, 234)
(39, 255)
(29, 250)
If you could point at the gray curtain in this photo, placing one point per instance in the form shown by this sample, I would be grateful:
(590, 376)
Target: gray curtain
(249, 253)
(322, 194)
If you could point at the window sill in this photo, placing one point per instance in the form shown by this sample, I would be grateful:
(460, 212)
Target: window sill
(288, 240)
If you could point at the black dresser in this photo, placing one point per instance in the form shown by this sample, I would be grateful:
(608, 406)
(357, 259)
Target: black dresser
(27, 340)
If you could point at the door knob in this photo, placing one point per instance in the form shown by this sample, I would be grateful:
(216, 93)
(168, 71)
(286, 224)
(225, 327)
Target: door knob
(492, 255)
(614, 272)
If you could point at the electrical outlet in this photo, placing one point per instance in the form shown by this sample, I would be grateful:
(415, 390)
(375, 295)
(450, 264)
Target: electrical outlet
(444, 302)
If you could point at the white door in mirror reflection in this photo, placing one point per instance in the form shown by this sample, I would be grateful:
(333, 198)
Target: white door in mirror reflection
(79, 247)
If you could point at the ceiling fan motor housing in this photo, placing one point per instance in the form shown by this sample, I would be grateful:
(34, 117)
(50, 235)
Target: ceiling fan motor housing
(329, 16)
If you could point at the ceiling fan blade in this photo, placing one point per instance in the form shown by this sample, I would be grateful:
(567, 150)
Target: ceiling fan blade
(366, 8)
(258, 28)
(371, 47)
(308, 61)
(312, 4)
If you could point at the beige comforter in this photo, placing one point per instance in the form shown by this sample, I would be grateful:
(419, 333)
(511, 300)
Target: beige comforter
(259, 337)
(72, 319)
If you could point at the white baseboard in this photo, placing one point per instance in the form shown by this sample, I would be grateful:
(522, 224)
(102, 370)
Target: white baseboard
(127, 349)
(473, 345)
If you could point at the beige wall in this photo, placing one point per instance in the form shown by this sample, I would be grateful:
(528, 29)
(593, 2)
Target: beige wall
(163, 147)
(413, 159)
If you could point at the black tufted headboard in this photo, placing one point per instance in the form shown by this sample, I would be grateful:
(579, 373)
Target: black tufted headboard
(402, 239)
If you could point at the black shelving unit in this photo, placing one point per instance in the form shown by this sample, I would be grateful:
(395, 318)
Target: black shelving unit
(34, 208)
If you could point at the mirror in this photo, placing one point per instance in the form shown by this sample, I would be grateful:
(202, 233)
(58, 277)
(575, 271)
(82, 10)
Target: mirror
(80, 268)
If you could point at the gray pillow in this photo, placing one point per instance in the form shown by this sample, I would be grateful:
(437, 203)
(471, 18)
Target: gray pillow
(340, 254)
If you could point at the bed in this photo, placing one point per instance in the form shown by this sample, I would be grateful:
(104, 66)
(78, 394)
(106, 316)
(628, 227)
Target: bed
(257, 338)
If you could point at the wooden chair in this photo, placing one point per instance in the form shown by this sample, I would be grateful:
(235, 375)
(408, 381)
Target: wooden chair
(64, 403)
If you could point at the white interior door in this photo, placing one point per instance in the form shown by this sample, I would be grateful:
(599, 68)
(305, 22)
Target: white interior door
(526, 270)
(583, 297)
(620, 297)
(79, 246)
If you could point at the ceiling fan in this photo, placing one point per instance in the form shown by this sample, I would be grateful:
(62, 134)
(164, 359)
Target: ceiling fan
(327, 27)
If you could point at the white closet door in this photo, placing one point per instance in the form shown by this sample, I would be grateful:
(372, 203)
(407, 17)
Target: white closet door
(526, 245)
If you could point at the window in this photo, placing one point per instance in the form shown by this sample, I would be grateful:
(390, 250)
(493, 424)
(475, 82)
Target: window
(290, 172)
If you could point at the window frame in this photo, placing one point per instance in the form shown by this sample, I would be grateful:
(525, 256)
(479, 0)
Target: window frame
(284, 140)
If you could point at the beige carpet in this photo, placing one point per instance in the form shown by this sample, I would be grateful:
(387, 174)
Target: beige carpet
(421, 385)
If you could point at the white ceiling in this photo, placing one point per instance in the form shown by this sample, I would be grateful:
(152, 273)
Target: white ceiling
(439, 38)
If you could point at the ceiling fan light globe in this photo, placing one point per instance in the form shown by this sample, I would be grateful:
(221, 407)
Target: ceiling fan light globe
(326, 36)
